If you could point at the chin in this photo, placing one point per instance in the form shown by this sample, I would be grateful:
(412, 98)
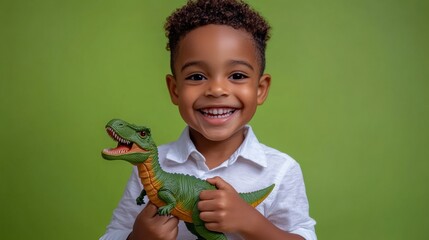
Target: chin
(216, 138)
(220, 135)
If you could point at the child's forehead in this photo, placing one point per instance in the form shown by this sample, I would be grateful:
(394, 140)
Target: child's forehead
(217, 37)
(216, 44)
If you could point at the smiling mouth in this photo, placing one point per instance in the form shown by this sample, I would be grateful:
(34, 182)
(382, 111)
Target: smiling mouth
(217, 112)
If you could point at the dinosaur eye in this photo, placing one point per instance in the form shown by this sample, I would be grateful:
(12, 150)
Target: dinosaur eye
(143, 133)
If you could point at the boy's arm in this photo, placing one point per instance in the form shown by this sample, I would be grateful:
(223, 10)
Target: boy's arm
(258, 228)
(149, 225)
(224, 210)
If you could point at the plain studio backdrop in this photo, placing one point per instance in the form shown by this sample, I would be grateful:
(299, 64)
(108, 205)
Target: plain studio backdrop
(349, 101)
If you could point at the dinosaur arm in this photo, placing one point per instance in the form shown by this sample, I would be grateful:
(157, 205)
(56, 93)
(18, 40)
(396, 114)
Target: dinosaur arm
(169, 199)
(140, 199)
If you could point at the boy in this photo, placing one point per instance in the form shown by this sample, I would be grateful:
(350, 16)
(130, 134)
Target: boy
(217, 62)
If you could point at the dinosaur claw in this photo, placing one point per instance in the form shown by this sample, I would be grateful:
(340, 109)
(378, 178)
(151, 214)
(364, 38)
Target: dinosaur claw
(163, 211)
(140, 201)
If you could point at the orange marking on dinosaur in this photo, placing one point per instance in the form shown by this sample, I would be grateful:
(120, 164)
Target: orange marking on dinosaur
(150, 183)
(254, 204)
(152, 186)
(182, 213)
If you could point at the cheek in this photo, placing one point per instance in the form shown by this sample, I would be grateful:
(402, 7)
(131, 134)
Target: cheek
(187, 96)
(248, 94)
(185, 112)
(186, 102)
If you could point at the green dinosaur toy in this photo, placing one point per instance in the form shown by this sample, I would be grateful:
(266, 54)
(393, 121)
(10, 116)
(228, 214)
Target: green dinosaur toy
(172, 193)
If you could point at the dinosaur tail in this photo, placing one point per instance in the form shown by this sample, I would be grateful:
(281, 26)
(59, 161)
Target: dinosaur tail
(256, 197)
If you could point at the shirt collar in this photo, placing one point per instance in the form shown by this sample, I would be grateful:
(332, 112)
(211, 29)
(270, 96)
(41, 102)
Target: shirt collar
(251, 150)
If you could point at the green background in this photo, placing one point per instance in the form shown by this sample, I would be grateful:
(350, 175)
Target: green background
(349, 101)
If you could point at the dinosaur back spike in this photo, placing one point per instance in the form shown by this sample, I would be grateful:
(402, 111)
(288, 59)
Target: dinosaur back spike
(256, 197)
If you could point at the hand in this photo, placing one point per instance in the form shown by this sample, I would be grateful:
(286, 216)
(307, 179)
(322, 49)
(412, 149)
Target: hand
(223, 210)
(150, 226)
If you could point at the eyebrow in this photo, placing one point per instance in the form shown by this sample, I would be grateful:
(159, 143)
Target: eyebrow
(241, 62)
(192, 63)
(231, 63)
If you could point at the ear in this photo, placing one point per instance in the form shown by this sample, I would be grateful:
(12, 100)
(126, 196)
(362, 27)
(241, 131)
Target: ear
(263, 88)
(172, 88)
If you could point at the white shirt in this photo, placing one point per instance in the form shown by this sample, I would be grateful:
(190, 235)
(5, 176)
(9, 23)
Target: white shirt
(251, 167)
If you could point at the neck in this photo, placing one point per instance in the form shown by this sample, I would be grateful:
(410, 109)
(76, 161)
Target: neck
(150, 171)
(216, 152)
(152, 164)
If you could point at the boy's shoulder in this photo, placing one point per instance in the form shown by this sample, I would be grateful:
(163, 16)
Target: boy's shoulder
(273, 157)
(277, 157)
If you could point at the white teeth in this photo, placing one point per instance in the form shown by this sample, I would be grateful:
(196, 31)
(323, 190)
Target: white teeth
(217, 112)
(116, 137)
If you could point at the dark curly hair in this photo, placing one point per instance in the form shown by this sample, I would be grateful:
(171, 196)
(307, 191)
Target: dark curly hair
(234, 13)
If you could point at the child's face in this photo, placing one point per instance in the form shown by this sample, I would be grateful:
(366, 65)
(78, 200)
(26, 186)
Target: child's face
(217, 83)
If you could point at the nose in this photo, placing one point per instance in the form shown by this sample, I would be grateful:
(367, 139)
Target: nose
(217, 87)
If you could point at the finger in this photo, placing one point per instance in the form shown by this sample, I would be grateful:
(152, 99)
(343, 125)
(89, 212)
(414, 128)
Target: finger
(208, 195)
(167, 219)
(162, 220)
(219, 183)
(172, 223)
(213, 226)
(150, 210)
(207, 205)
(171, 227)
(210, 217)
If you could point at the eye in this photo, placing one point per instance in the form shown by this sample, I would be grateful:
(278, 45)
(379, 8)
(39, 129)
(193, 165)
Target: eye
(196, 77)
(238, 76)
(143, 134)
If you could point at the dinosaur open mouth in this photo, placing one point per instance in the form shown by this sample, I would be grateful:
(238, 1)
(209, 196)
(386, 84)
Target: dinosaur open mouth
(124, 146)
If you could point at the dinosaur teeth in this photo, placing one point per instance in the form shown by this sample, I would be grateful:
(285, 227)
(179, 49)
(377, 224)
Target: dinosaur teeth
(116, 137)
(120, 149)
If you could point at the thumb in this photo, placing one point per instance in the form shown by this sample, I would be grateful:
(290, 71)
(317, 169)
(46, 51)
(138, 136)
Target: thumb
(150, 210)
(219, 183)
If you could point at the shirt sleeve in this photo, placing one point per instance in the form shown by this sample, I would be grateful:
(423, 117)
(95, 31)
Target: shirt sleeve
(126, 212)
(290, 210)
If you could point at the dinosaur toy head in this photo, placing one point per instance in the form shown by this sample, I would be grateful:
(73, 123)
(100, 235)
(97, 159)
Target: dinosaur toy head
(135, 143)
